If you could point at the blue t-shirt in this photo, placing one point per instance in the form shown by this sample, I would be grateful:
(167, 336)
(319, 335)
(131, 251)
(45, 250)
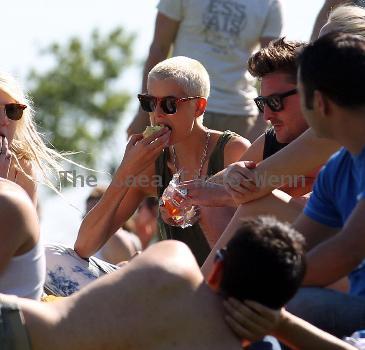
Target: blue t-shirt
(338, 188)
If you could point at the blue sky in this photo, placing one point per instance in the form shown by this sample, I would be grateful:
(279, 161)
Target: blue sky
(29, 25)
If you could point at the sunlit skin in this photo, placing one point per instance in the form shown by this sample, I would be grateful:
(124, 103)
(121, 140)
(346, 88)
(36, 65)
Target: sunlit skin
(193, 146)
(312, 116)
(183, 123)
(288, 123)
(8, 168)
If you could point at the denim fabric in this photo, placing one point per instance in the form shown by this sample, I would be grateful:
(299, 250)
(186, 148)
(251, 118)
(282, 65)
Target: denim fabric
(337, 313)
(13, 335)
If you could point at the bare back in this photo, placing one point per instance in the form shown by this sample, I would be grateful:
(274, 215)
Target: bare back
(159, 301)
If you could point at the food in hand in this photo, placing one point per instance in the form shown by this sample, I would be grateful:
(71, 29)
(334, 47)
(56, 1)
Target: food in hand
(151, 129)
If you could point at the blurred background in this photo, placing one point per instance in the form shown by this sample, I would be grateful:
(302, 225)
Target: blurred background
(81, 61)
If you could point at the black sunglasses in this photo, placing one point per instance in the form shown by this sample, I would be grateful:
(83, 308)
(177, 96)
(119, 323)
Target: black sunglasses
(274, 101)
(14, 111)
(168, 104)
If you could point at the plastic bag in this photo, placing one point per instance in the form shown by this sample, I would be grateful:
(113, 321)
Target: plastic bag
(172, 199)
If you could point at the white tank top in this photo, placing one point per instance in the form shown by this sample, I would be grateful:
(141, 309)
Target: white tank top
(25, 274)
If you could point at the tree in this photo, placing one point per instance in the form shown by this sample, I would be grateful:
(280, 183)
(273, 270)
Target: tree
(78, 104)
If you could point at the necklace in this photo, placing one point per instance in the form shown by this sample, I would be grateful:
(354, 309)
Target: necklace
(202, 159)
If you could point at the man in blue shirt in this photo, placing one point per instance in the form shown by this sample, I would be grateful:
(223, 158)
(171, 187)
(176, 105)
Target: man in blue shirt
(331, 78)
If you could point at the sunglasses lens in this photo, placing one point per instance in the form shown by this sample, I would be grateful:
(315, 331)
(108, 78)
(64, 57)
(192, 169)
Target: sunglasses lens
(148, 103)
(275, 103)
(14, 111)
(168, 105)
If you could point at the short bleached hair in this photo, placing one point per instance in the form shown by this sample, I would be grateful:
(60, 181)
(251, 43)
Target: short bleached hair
(190, 74)
(348, 19)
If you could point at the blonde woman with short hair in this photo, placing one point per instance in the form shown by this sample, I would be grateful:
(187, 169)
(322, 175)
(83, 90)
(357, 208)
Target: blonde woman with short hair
(176, 99)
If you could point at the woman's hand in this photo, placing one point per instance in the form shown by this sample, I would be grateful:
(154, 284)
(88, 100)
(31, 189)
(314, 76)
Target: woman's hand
(142, 152)
(250, 320)
(5, 157)
(204, 193)
(168, 218)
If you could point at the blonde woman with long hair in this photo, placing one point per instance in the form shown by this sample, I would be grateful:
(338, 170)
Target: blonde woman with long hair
(23, 155)
(22, 149)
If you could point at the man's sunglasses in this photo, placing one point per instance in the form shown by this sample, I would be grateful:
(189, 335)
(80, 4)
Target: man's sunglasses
(14, 111)
(275, 101)
(168, 104)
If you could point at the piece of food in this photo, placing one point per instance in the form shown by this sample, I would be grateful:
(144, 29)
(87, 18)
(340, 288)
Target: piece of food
(150, 130)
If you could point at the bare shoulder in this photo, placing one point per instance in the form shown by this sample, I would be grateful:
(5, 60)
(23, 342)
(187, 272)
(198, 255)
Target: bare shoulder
(10, 192)
(16, 209)
(235, 149)
(173, 260)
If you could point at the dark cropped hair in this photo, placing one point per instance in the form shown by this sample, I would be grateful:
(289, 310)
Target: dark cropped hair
(335, 66)
(280, 56)
(264, 262)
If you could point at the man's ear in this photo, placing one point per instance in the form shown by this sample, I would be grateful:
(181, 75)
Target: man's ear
(215, 277)
(321, 103)
(201, 104)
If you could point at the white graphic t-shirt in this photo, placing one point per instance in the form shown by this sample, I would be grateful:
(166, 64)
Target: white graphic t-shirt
(222, 34)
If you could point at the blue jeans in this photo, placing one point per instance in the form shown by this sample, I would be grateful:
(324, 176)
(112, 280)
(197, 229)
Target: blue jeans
(13, 335)
(337, 313)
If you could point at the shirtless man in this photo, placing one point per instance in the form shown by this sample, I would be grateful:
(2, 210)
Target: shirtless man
(162, 295)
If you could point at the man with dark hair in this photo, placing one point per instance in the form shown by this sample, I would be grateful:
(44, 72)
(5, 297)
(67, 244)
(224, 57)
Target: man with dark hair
(281, 264)
(331, 77)
(276, 67)
(160, 299)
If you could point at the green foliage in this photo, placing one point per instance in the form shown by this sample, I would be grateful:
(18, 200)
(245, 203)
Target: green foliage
(78, 104)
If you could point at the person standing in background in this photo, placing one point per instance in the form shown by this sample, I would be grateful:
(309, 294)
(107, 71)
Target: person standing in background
(325, 11)
(221, 35)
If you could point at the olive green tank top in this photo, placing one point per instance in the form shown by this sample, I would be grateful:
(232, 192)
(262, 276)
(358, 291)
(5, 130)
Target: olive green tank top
(193, 236)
